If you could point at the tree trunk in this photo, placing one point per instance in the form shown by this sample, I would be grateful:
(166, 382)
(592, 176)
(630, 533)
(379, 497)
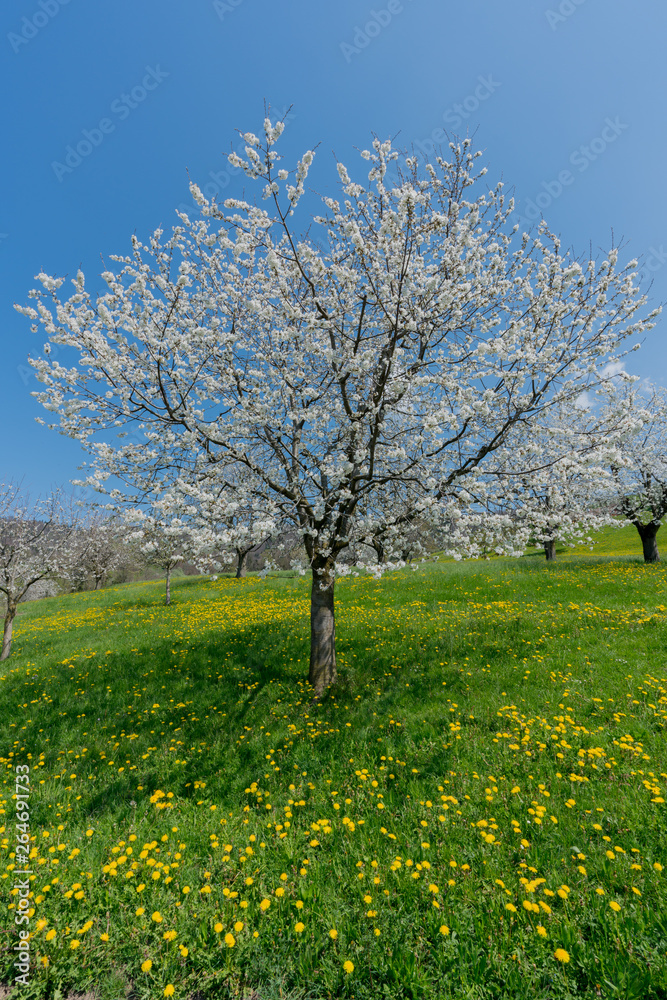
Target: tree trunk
(322, 628)
(550, 549)
(648, 533)
(168, 594)
(241, 562)
(8, 629)
(98, 583)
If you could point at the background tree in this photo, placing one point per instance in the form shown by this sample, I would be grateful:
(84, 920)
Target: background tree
(565, 495)
(164, 536)
(230, 524)
(34, 545)
(398, 351)
(639, 490)
(101, 548)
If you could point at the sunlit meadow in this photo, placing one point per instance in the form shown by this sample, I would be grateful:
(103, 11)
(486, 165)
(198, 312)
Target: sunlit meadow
(476, 811)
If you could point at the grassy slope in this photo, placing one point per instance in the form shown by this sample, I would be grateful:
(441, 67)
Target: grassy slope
(531, 698)
(617, 542)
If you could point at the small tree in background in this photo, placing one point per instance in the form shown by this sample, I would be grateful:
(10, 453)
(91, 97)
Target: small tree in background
(163, 536)
(564, 497)
(35, 544)
(639, 490)
(230, 524)
(101, 550)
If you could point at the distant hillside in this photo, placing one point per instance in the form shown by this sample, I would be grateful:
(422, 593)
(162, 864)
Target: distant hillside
(616, 542)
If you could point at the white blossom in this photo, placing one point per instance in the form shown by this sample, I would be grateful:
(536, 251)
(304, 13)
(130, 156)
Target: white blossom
(349, 381)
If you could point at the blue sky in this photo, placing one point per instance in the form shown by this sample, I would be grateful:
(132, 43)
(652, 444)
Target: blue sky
(565, 97)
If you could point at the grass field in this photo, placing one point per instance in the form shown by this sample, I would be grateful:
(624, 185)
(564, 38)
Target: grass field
(477, 810)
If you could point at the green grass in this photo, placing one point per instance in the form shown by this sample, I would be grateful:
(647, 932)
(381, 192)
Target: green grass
(616, 542)
(497, 739)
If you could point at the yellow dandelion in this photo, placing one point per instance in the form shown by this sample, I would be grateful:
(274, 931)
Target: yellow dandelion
(50, 935)
(147, 965)
(444, 930)
(230, 940)
(238, 926)
(169, 991)
(217, 928)
(157, 917)
(104, 937)
(511, 907)
(333, 933)
(542, 931)
(265, 904)
(615, 906)
(74, 945)
(562, 955)
(348, 967)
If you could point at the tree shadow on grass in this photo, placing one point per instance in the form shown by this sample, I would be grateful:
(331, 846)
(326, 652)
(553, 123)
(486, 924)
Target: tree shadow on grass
(199, 700)
(178, 712)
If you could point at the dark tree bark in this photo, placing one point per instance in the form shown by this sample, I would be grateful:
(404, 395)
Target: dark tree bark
(98, 583)
(379, 549)
(8, 630)
(322, 628)
(550, 549)
(648, 533)
(242, 557)
(168, 589)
